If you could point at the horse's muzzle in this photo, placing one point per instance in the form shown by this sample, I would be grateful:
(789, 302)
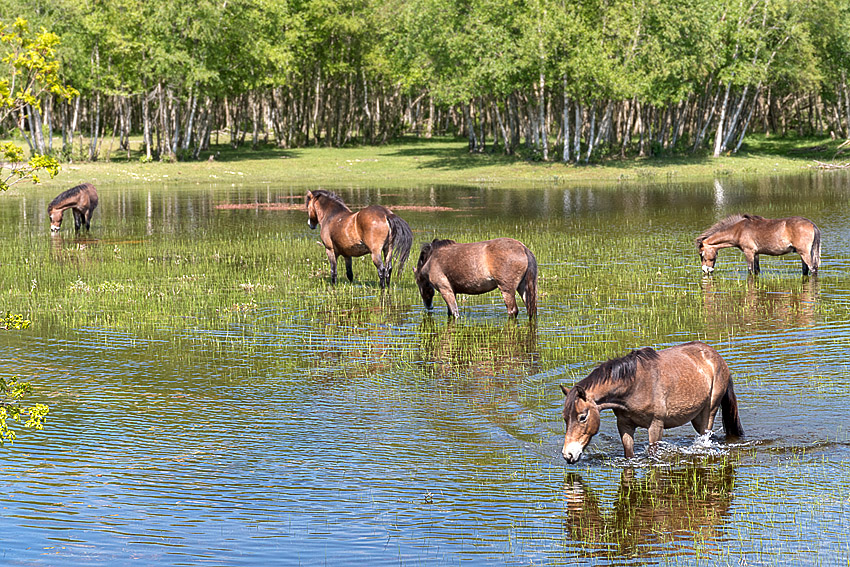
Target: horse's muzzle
(312, 224)
(572, 452)
(54, 229)
(707, 270)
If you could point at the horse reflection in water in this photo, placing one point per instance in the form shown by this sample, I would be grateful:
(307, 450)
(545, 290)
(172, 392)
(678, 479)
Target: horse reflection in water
(485, 368)
(479, 350)
(653, 508)
(760, 305)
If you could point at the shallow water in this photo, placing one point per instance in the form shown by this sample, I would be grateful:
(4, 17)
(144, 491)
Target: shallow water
(214, 401)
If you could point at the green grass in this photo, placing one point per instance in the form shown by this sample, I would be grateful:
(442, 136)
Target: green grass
(439, 161)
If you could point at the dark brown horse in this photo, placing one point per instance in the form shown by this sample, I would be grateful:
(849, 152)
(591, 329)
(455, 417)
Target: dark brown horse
(755, 235)
(476, 268)
(374, 230)
(652, 389)
(81, 199)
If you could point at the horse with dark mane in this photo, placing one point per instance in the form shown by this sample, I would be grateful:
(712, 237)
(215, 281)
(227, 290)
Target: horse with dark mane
(755, 235)
(82, 200)
(374, 230)
(652, 389)
(476, 268)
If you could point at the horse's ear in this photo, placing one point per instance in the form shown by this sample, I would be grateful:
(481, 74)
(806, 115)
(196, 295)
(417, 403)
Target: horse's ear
(564, 389)
(580, 393)
(308, 196)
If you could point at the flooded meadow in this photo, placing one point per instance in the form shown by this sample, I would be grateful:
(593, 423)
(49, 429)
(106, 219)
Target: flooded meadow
(215, 400)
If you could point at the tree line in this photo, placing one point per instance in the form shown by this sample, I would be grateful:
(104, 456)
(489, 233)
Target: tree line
(557, 79)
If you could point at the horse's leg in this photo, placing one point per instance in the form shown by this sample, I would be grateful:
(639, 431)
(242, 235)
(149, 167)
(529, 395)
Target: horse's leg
(509, 296)
(332, 260)
(379, 264)
(349, 272)
(388, 264)
(627, 435)
(752, 260)
(704, 422)
(78, 219)
(656, 430)
(451, 301)
(806, 258)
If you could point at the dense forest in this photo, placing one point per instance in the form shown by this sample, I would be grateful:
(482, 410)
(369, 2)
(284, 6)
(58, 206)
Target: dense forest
(556, 79)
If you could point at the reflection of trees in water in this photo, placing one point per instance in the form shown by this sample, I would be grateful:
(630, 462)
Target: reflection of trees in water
(760, 305)
(682, 507)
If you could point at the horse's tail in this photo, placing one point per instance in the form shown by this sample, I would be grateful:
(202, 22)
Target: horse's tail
(401, 239)
(529, 297)
(815, 251)
(729, 407)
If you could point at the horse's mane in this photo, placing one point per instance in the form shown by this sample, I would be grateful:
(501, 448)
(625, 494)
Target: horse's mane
(65, 195)
(723, 224)
(330, 195)
(619, 369)
(429, 247)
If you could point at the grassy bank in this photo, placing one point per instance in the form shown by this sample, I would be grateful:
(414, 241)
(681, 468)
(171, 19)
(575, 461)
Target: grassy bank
(441, 161)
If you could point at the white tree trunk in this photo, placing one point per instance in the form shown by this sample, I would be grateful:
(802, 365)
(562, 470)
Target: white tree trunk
(566, 156)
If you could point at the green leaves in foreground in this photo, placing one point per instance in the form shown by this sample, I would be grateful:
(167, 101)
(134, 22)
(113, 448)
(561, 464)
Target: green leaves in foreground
(12, 391)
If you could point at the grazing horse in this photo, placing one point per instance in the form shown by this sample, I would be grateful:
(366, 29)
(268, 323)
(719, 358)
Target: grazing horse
(81, 199)
(652, 389)
(755, 235)
(373, 230)
(475, 268)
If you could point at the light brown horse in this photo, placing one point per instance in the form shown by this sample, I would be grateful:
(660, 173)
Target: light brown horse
(652, 389)
(374, 230)
(755, 235)
(476, 268)
(82, 200)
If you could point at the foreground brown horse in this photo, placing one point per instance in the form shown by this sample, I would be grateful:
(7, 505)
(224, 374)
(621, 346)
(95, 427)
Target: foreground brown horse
(755, 235)
(652, 389)
(475, 268)
(373, 230)
(81, 199)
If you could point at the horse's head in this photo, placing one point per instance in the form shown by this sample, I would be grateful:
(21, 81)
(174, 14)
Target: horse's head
(312, 214)
(581, 416)
(55, 218)
(426, 290)
(708, 255)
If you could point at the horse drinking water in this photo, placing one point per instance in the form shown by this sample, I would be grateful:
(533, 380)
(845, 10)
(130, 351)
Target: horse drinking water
(755, 235)
(652, 389)
(82, 200)
(475, 268)
(373, 230)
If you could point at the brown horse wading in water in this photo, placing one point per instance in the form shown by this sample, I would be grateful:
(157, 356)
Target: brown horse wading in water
(652, 389)
(755, 235)
(374, 230)
(476, 268)
(82, 200)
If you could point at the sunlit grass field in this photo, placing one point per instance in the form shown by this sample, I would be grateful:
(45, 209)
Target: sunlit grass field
(443, 161)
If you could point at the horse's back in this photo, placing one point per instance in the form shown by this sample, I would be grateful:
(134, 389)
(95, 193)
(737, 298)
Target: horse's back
(693, 366)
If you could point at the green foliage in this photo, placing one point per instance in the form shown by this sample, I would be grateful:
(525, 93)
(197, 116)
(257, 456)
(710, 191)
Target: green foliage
(12, 391)
(29, 68)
